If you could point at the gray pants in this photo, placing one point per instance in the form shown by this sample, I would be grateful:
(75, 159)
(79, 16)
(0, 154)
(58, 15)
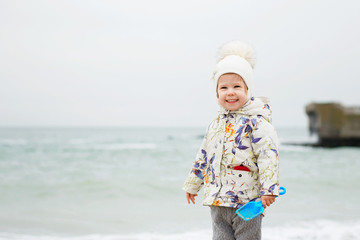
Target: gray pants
(227, 225)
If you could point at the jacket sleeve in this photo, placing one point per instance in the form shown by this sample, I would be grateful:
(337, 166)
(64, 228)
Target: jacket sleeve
(195, 180)
(265, 145)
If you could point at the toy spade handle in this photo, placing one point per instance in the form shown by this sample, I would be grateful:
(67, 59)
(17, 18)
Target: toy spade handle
(282, 191)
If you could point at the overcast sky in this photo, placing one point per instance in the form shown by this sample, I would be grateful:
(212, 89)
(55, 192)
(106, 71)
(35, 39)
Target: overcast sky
(149, 63)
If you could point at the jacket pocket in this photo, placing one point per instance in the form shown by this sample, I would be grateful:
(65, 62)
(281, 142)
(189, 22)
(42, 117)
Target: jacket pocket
(241, 180)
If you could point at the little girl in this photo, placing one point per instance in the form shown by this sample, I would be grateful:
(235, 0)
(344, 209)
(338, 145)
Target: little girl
(238, 159)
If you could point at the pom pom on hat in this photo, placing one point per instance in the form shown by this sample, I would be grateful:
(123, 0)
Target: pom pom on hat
(239, 58)
(237, 48)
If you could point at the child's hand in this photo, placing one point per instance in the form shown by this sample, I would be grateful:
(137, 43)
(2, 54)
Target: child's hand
(191, 197)
(267, 200)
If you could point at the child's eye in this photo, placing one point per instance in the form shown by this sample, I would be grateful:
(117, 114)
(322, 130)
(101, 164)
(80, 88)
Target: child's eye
(237, 86)
(223, 88)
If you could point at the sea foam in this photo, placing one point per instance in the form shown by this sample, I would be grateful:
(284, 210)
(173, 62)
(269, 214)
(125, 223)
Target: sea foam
(314, 230)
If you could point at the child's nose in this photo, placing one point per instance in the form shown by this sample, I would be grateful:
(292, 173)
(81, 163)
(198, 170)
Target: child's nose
(230, 92)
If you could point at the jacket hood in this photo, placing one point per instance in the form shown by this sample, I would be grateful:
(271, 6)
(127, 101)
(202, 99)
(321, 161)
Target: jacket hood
(253, 107)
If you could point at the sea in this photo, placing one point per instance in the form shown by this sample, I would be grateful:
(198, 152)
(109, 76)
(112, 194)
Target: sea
(125, 183)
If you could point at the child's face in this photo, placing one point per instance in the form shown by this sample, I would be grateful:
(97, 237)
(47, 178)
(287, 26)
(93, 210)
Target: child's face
(231, 91)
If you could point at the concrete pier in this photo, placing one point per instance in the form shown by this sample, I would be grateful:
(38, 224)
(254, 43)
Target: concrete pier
(334, 124)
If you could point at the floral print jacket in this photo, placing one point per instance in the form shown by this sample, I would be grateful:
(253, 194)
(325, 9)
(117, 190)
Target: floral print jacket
(243, 138)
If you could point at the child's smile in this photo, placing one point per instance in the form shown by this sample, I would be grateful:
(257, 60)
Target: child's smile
(232, 100)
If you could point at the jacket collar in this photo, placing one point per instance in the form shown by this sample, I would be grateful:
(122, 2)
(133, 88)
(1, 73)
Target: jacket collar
(253, 107)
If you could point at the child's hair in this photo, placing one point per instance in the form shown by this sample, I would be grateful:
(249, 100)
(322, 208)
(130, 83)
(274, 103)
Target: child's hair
(239, 58)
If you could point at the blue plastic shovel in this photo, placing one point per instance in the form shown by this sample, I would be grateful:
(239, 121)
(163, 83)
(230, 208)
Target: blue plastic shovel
(253, 209)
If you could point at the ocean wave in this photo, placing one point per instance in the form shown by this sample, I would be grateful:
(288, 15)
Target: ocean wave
(124, 146)
(112, 146)
(295, 148)
(13, 142)
(79, 141)
(316, 230)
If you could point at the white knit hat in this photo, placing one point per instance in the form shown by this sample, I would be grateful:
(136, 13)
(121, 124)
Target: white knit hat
(236, 57)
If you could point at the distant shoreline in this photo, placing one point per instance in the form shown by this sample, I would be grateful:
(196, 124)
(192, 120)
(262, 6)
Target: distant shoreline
(326, 144)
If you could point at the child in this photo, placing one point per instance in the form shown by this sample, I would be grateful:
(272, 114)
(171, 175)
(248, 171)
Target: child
(238, 159)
